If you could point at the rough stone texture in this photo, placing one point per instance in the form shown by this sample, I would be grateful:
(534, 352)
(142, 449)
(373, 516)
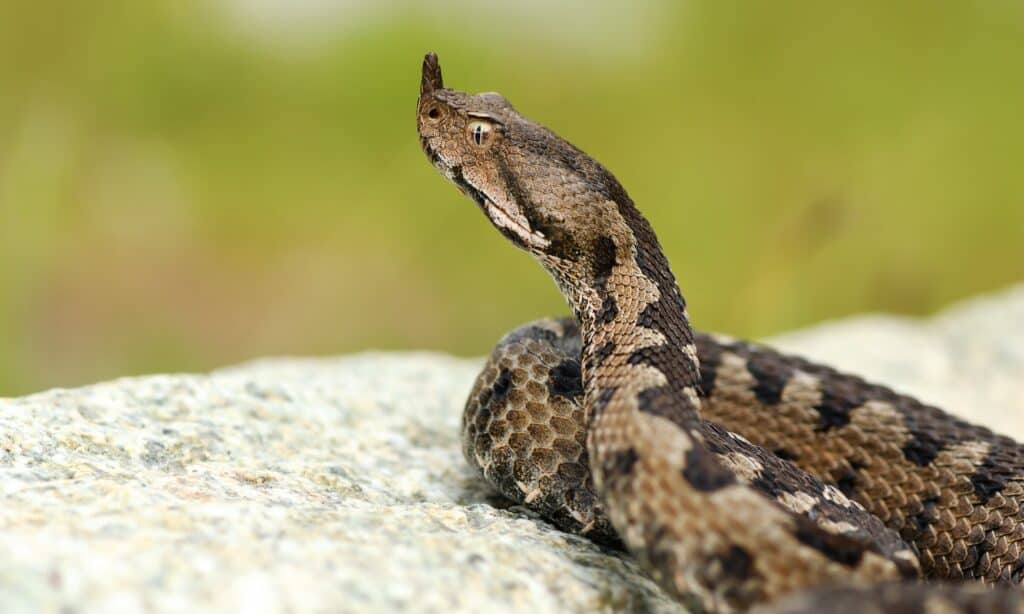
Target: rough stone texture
(307, 485)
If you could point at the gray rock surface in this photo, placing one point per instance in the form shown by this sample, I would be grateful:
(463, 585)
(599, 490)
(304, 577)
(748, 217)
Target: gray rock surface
(338, 484)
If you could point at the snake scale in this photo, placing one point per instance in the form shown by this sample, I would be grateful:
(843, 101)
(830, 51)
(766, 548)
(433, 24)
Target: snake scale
(737, 475)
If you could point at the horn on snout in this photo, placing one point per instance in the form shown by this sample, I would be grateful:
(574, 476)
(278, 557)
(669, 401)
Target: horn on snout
(431, 74)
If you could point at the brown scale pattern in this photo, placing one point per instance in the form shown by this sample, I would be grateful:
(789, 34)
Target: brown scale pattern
(934, 507)
(526, 443)
(719, 521)
(925, 491)
(526, 438)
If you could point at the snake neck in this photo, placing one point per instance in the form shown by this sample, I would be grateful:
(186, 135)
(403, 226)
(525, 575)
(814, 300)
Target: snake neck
(640, 374)
(638, 346)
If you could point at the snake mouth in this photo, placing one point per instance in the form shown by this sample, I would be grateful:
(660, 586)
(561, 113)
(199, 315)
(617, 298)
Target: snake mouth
(509, 223)
(501, 217)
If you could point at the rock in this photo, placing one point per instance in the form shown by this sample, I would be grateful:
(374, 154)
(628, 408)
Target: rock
(338, 484)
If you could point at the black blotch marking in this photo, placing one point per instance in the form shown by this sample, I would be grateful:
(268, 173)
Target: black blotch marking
(987, 486)
(609, 309)
(839, 548)
(666, 316)
(646, 355)
(501, 387)
(667, 402)
(922, 448)
(604, 253)
(846, 482)
(601, 402)
(651, 400)
(710, 355)
(566, 380)
(991, 476)
(838, 398)
(770, 377)
(919, 522)
(736, 563)
(620, 463)
(598, 356)
(729, 573)
(784, 454)
(648, 318)
(831, 416)
(670, 359)
(704, 473)
(773, 488)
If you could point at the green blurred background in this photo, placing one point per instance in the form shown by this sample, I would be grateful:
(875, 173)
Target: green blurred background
(189, 184)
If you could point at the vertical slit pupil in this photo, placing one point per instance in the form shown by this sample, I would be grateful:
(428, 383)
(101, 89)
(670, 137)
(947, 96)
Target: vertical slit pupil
(478, 134)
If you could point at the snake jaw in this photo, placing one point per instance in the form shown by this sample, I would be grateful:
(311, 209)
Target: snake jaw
(507, 218)
(516, 223)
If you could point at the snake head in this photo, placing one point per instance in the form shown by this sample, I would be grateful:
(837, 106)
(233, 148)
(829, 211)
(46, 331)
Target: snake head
(540, 191)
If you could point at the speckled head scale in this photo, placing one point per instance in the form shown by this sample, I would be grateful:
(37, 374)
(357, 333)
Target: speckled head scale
(464, 136)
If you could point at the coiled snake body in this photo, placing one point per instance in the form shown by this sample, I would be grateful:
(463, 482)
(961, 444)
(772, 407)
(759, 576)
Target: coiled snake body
(737, 475)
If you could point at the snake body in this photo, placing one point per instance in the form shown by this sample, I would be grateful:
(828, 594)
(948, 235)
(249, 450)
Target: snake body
(738, 476)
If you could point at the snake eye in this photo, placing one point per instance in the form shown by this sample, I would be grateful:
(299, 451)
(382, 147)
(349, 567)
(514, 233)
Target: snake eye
(481, 133)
